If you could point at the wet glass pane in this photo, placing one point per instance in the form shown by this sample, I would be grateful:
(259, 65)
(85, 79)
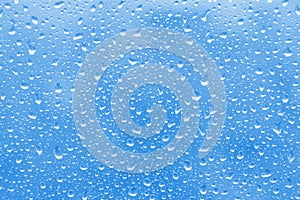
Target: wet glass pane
(149, 99)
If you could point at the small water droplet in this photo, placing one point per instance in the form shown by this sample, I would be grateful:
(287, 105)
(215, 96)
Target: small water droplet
(38, 99)
(121, 4)
(133, 192)
(241, 22)
(24, 86)
(131, 166)
(78, 36)
(147, 182)
(57, 153)
(223, 35)
(31, 49)
(11, 189)
(297, 9)
(32, 115)
(38, 149)
(79, 21)
(43, 186)
(165, 138)
(12, 31)
(204, 17)
(288, 53)
(240, 155)
(71, 193)
(267, 173)
(93, 8)
(259, 71)
(229, 176)
(203, 189)
(289, 183)
(187, 165)
(130, 143)
(2, 97)
(285, 3)
(19, 159)
(291, 156)
(59, 179)
(187, 30)
(58, 88)
(257, 125)
(34, 20)
(204, 83)
(132, 61)
(59, 4)
(101, 4)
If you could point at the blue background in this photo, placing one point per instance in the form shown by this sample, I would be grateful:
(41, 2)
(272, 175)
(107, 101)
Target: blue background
(255, 45)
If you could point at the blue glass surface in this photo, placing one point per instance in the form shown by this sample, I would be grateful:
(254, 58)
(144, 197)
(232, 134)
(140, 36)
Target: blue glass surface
(254, 45)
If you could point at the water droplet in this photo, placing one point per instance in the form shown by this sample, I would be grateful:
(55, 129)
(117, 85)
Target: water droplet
(11, 189)
(259, 71)
(204, 17)
(291, 156)
(58, 88)
(32, 115)
(57, 153)
(289, 183)
(187, 30)
(34, 20)
(147, 182)
(187, 165)
(297, 9)
(121, 4)
(133, 192)
(84, 195)
(101, 4)
(165, 138)
(31, 49)
(19, 159)
(12, 31)
(257, 124)
(2, 97)
(24, 86)
(79, 21)
(229, 176)
(131, 166)
(132, 61)
(267, 173)
(203, 189)
(130, 143)
(241, 22)
(38, 149)
(93, 8)
(204, 83)
(78, 36)
(240, 155)
(43, 186)
(59, 4)
(203, 162)
(288, 53)
(59, 179)
(37, 99)
(71, 193)
(285, 2)
(223, 35)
